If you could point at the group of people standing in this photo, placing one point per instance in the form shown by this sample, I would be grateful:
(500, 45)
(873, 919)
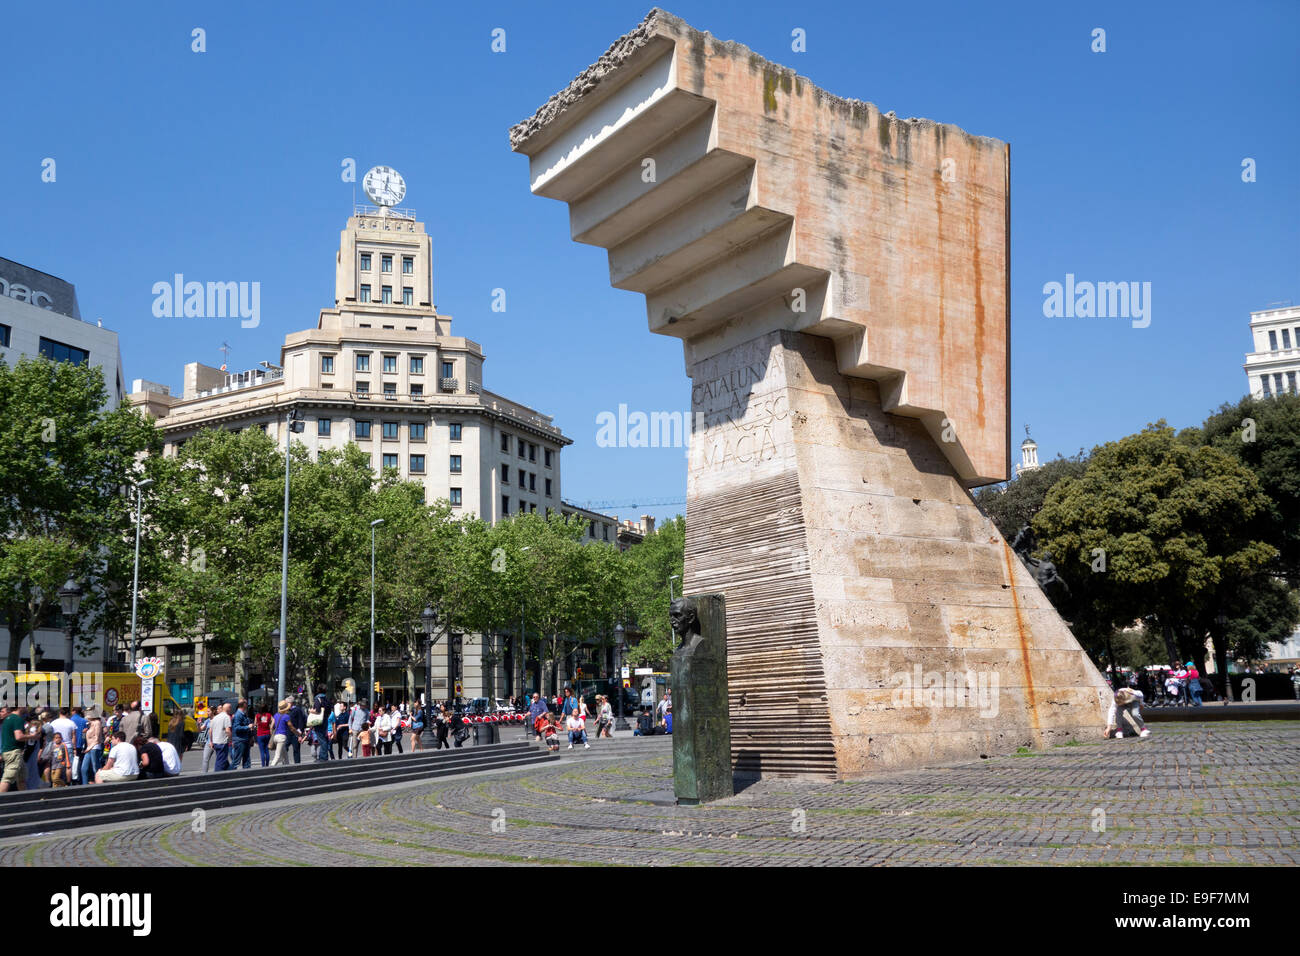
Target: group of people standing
(331, 731)
(79, 746)
(569, 714)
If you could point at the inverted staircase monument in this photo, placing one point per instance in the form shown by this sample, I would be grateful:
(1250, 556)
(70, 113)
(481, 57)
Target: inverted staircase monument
(839, 280)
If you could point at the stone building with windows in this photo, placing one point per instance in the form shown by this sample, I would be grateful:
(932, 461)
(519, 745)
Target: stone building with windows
(1271, 369)
(383, 369)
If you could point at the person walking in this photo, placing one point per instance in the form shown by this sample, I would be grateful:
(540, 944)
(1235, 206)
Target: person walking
(319, 723)
(1193, 684)
(242, 737)
(537, 709)
(398, 721)
(282, 730)
(13, 736)
(442, 728)
(297, 717)
(355, 721)
(131, 721)
(606, 725)
(93, 759)
(338, 730)
(262, 728)
(219, 736)
(176, 730)
(79, 749)
(384, 732)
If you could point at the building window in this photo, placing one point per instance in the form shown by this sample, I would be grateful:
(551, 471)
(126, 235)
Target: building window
(63, 353)
(417, 431)
(365, 262)
(523, 448)
(448, 370)
(505, 474)
(390, 461)
(390, 363)
(455, 464)
(417, 364)
(327, 385)
(1277, 382)
(455, 497)
(327, 364)
(390, 388)
(505, 504)
(363, 429)
(363, 363)
(322, 426)
(417, 391)
(532, 452)
(532, 481)
(408, 296)
(548, 487)
(1272, 341)
(1290, 380)
(547, 456)
(363, 388)
(389, 327)
(605, 528)
(455, 431)
(1286, 338)
(408, 265)
(387, 297)
(417, 463)
(387, 263)
(4, 335)
(505, 444)
(364, 295)
(521, 477)
(390, 430)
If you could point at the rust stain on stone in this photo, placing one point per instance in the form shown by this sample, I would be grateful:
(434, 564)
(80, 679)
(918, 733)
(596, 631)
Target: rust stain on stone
(973, 228)
(1030, 698)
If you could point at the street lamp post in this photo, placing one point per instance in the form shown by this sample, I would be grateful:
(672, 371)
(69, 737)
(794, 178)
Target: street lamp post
(1221, 640)
(293, 426)
(523, 649)
(135, 580)
(430, 618)
(70, 599)
(275, 651)
(373, 525)
(620, 644)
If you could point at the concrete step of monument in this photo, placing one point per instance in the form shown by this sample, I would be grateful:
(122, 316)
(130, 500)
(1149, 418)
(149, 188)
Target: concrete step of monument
(196, 782)
(142, 800)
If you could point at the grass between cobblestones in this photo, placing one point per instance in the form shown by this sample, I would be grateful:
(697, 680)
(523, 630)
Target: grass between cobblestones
(1190, 795)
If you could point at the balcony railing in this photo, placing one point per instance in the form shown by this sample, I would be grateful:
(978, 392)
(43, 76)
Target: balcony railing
(448, 384)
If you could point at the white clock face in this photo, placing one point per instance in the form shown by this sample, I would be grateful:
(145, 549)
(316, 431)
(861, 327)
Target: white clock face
(385, 186)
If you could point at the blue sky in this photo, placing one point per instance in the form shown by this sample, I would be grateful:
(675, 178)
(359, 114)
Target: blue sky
(224, 165)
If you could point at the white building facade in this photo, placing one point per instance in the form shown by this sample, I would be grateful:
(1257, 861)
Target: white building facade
(381, 369)
(1273, 368)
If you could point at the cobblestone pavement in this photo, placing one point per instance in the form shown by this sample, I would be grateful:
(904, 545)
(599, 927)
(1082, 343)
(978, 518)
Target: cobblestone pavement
(1222, 793)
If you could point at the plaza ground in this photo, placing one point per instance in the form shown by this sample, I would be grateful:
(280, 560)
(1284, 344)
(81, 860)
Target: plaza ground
(1193, 793)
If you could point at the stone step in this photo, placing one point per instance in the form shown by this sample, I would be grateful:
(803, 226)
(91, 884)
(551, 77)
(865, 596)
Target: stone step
(47, 810)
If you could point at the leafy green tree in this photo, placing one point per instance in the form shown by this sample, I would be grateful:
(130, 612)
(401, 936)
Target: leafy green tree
(1011, 505)
(65, 463)
(1158, 527)
(652, 562)
(1264, 434)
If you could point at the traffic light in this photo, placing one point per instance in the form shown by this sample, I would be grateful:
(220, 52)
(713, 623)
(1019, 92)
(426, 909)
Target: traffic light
(626, 682)
(378, 687)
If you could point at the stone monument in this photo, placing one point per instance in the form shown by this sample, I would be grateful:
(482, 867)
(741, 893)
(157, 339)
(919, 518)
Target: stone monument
(701, 725)
(838, 277)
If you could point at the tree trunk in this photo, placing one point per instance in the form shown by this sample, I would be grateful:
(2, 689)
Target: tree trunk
(1168, 631)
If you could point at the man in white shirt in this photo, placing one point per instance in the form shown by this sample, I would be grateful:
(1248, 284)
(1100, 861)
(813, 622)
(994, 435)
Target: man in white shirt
(171, 759)
(356, 719)
(384, 732)
(219, 735)
(122, 765)
(577, 728)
